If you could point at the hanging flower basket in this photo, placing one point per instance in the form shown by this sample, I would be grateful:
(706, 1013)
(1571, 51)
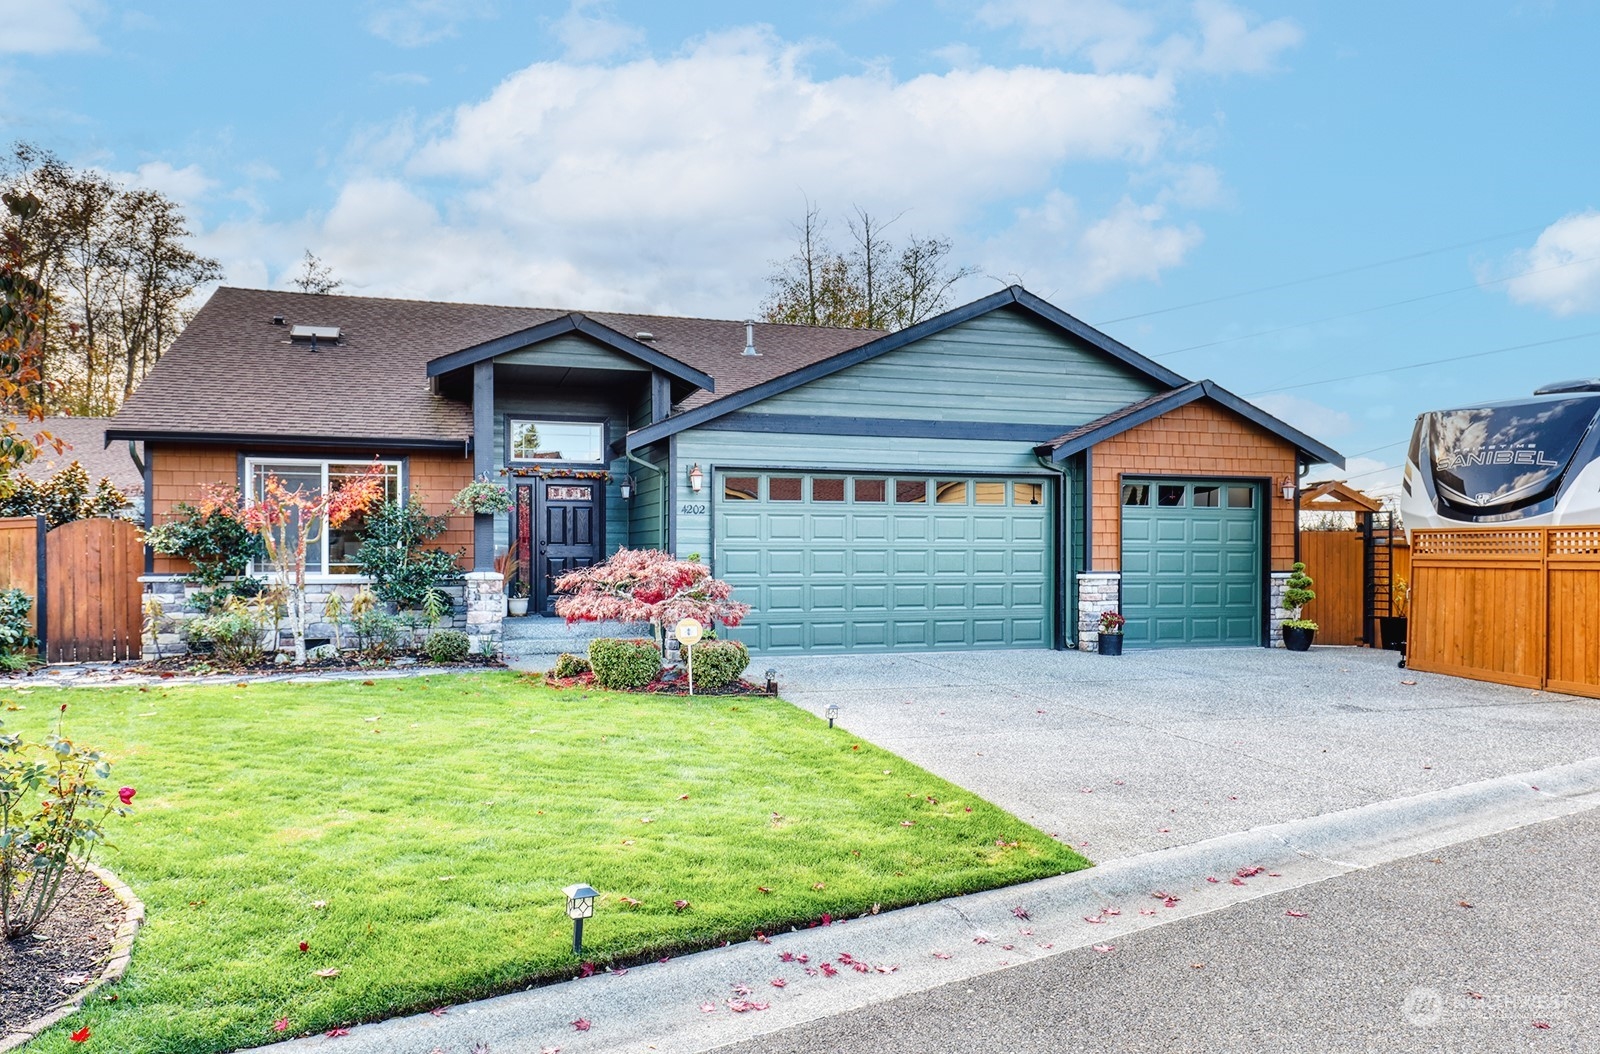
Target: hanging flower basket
(482, 498)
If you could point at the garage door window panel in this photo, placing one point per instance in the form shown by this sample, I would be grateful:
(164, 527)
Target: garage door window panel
(827, 490)
(785, 488)
(910, 491)
(741, 488)
(869, 491)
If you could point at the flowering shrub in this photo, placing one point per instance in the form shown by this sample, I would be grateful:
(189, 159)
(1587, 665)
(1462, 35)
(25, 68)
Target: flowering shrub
(623, 665)
(46, 842)
(718, 663)
(482, 496)
(1111, 622)
(647, 585)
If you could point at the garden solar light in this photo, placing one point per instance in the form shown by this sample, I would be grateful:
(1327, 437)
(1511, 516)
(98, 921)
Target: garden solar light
(832, 712)
(772, 682)
(580, 906)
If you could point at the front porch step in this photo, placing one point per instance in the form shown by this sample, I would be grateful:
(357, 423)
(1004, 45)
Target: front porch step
(540, 634)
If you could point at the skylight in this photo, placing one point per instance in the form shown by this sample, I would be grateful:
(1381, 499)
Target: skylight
(328, 333)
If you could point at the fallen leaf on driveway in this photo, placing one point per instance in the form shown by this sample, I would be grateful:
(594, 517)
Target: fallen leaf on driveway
(1093, 920)
(1408, 682)
(1248, 872)
(281, 1025)
(941, 955)
(708, 1008)
(1197, 966)
(1295, 914)
(1541, 1024)
(1213, 878)
(582, 1024)
(1104, 948)
(779, 982)
(335, 1033)
(1462, 904)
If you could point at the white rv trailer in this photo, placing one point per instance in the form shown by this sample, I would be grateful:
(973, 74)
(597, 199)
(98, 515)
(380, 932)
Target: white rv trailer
(1531, 462)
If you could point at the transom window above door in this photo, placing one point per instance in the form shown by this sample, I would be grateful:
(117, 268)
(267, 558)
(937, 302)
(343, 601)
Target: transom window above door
(534, 440)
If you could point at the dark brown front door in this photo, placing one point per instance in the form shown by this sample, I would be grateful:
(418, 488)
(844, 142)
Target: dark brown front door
(565, 535)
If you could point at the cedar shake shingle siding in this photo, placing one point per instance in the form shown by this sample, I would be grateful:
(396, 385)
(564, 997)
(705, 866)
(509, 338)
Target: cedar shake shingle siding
(179, 472)
(1197, 440)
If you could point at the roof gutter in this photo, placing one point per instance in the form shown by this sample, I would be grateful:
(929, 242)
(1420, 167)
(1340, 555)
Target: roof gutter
(347, 441)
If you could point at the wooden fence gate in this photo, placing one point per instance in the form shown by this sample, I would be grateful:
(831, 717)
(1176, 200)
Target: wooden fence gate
(1359, 576)
(1517, 606)
(84, 578)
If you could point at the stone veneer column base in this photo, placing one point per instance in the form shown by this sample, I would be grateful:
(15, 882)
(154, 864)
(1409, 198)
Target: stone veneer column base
(486, 610)
(1275, 612)
(1098, 592)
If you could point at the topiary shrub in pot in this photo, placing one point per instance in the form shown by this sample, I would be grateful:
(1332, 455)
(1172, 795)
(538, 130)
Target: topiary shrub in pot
(624, 665)
(718, 663)
(1298, 632)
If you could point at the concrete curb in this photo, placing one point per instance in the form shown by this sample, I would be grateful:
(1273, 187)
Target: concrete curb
(664, 1006)
(116, 963)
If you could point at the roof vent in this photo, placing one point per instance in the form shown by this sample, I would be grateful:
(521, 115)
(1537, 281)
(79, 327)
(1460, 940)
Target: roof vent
(1590, 384)
(277, 320)
(644, 335)
(750, 339)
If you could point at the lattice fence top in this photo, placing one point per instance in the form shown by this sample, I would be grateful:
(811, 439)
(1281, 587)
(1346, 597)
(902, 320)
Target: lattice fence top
(1575, 541)
(1519, 543)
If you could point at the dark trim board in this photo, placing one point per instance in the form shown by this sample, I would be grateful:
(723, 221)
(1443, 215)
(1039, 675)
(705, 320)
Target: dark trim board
(826, 424)
(557, 327)
(334, 443)
(1012, 296)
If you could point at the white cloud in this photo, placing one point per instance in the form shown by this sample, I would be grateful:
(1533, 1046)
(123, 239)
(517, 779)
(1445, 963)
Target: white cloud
(186, 185)
(414, 23)
(587, 32)
(1561, 271)
(1112, 35)
(34, 28)
(1311, 417)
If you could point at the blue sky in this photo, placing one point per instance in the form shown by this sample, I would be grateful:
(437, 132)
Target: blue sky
(1288, 198)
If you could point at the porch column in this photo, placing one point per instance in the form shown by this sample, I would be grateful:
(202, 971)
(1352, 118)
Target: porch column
(483, 459)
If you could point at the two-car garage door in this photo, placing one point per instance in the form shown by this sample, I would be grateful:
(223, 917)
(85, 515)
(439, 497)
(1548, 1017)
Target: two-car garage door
(840, 562)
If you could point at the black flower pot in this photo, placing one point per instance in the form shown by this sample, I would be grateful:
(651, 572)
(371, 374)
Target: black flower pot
(1110, 644)
(1392, 632)
(1296, 639)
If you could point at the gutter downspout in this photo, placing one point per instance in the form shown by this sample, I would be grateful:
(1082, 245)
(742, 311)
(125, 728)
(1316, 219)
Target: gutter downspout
(666, 498)
(1063, 554)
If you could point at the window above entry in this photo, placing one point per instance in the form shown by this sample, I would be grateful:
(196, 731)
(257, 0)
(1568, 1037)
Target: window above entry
(579, 441)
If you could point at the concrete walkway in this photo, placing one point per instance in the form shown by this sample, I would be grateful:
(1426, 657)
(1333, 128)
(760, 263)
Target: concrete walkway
(1128, 755)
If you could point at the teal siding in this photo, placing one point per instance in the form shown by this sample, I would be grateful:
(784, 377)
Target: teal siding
(645, 510)
(1006, 367)
(572, 350)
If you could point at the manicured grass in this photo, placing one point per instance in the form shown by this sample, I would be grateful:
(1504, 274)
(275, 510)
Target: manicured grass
(438, 820)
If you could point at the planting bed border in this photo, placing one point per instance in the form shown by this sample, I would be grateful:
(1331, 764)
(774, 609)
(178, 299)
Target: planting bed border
(116, 965)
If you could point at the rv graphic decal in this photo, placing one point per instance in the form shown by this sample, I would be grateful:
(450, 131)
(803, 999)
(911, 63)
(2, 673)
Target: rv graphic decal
(1496, 457)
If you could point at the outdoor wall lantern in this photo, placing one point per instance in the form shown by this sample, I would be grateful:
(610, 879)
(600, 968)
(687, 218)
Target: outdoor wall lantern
(1286, 485)
(832, 712)
(627, 487)
(580, 906)
(696, 478)
(772, 682)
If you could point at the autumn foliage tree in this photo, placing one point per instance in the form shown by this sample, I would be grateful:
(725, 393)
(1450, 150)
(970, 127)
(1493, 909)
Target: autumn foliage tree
(647, 585)
(23, 303)
(289, 522)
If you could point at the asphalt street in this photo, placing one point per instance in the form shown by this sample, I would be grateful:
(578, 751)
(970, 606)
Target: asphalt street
(1489, 945)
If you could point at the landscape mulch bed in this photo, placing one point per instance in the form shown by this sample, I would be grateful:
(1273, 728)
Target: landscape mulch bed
(188, 665)
(40, 972)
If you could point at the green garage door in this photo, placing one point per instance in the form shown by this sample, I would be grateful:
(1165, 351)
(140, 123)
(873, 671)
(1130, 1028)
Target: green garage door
(1191, 562)
(885, 563)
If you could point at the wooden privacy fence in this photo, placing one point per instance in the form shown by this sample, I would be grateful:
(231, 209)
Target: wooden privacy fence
(1517, 606)
(84, 578)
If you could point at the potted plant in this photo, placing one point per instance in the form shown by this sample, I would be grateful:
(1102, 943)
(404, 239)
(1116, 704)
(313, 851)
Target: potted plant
(516, 596)
(517, 601)
(1392, 627)
(482, 497)
(1298, 632)
(1111, 624)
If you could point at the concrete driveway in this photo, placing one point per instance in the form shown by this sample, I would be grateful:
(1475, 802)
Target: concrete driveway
(1161, 748)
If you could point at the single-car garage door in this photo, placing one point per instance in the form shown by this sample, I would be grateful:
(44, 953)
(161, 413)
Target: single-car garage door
(1191, 562)
(883, 562)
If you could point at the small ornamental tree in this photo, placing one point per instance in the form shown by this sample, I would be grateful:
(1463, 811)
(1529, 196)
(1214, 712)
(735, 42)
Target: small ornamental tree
(647, 585)
(288, 522)
(214, 540)
(1296, 595)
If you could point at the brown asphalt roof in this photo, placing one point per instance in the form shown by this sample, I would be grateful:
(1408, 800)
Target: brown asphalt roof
(232, 371)
(85, 439)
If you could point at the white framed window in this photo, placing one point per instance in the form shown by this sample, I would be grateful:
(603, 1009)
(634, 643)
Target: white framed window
(335, 552)
(534, 440)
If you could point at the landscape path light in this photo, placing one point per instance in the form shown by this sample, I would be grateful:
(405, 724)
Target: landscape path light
(580, 906)
(832, 712)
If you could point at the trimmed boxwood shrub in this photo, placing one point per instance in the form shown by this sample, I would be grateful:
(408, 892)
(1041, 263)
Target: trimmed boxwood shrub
(623, 665)
(569, 665)
(718, 663)
(448, 645)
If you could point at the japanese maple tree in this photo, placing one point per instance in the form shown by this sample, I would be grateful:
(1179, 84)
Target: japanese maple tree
(647, 585)
(289, 521)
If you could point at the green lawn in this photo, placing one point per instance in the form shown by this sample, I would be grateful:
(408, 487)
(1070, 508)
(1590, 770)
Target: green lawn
(437, 820)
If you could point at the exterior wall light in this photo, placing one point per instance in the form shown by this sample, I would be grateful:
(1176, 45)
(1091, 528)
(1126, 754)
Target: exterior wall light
(697, 478)
(832, 712)
(627, 487)
(580, 906)
(1286, 485)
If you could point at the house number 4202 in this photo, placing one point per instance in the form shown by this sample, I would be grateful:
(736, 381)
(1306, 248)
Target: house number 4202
(694, 510)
